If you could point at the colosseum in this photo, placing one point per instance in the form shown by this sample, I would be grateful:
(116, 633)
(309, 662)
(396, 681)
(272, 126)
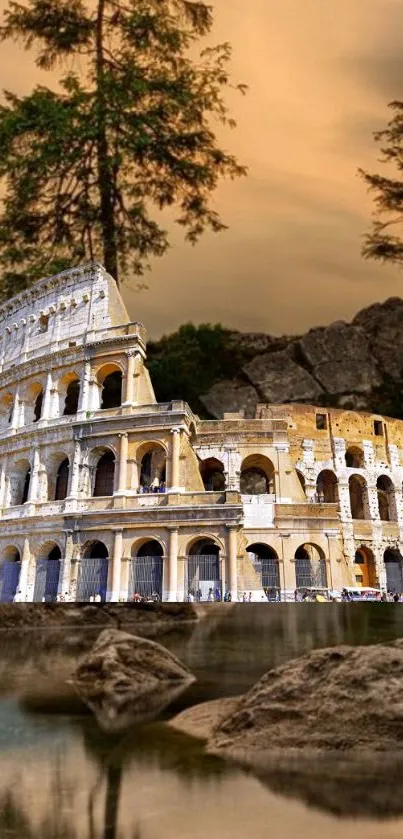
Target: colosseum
(106, 493)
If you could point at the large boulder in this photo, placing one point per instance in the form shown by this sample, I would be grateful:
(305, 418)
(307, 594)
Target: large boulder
(340, 358)
(230, 396)
(347, 700)
(278, 378)
(383, 325)
(125, 679)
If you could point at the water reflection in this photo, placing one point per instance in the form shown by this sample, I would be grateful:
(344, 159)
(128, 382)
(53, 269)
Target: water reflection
(61, 778)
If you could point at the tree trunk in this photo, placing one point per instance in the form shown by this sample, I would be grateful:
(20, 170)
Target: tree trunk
(105, 180)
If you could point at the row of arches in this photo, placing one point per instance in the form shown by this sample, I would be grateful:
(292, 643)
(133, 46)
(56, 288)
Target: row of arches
(327, 492)
(108, 381)
(256, 475)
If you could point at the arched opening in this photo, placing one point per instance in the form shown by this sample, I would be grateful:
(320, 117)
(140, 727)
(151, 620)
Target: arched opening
(302, 481)
(365, 568)
(358, 497)
(47, 576)
(354, 457)
(257, 475)
(104, 475)
(111, 395)
(310, 568)
(265, 563)
(18, 483)
(38, 406)
(93, 574)
(71, 398)
(10, 569)
(212, 474)
(146, 571)
(204, 571)
(327, 487)
(152, 468)
(386, 499)
(62, 480)
(394, 570)
(6, 409)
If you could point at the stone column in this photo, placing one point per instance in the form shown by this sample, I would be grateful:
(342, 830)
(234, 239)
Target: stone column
(116, 565)
(34, 482)
(65, 577)
(130, 368)
(287, 571)
(173, 565)
(47, 398)
(124, 448)
(75, 565)
(24, 574)
(21, 413)
(373, 505)
(74, 472)
(83, 406)
(233, 561)
(175, 453)
(15, 416)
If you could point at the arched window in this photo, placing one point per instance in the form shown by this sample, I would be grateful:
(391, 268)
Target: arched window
(112, 390)
(358, 497)
(105, 475)
(152, 467)
(326, 487)
(38, 406)
(62, 481)
(257, 475)
(212, 473)
(72, 397)
(386, 499)
(364, 568)
(25, 487)
(354, 457)
(301, 479)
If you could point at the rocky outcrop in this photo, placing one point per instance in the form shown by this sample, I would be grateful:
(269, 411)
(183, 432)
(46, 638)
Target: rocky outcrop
(125, 679)
(355, 365)
(60, 615)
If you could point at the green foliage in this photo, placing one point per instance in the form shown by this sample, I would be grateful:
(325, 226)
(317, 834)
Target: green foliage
(382, 244)
(187, 363)
(86, 167)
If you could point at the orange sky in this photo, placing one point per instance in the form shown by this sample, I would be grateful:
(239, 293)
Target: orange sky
(320, 73)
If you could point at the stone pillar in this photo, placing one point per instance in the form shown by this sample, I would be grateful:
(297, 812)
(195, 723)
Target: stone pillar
(124, 448)
(287, 571)
(74, 472)
(233, 561)
(83, 406)
(15, 416)
(34, 482)
(65, 577)
(130, 368)
(75, 565)
(175, 453)
(47, 398)
(24, 573)
(21, 413)
(373, 505)
(173, 565)
(116, 565)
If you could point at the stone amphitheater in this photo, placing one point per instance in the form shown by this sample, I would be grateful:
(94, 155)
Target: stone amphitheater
(106, 493)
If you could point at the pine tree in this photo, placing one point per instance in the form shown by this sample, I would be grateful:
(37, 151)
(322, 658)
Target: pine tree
(128, 131)
(384, 242)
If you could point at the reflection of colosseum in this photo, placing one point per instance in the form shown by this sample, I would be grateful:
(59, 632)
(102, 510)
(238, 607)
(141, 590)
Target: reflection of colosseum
(104, 491)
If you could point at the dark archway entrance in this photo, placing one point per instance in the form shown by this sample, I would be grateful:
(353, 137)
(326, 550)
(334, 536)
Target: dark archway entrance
(265, 563)
(146, 571)
(394, 570)
(105, 475)
(310, 568)
(47, 577)
(93, 575)
(204, 571)
(10, 569)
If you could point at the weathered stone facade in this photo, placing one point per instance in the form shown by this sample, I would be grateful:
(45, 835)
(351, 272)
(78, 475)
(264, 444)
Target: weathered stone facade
(104, 492)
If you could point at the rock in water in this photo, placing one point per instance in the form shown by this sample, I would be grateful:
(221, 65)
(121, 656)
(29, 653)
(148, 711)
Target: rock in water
(346, 700)
(125, 679)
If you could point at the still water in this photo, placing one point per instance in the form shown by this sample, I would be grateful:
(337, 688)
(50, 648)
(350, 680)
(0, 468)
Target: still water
(60, 778)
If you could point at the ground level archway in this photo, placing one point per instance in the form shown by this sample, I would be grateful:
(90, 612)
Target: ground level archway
(10, 569)
(365, 568)
(47, 575)
(93, 575)
(310, 568)
(204, 578)
(265, 563)
(393, 560)
(146, 571)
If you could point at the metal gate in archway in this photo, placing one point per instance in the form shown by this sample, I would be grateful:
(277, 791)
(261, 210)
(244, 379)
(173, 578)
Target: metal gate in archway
(92, 578)
(310, 573)
(203, 577)
(269, 572)
(46, 580)
(9, 578)
(145, 576)
(394, 575)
